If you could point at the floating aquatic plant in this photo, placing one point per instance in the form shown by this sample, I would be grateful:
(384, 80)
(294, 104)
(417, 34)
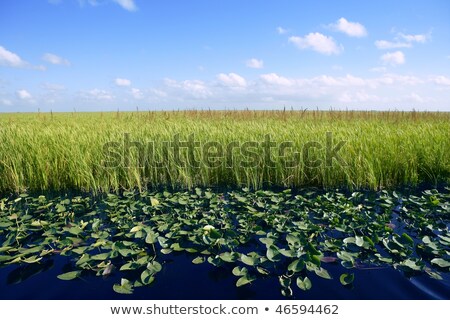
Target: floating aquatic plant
(253, 234)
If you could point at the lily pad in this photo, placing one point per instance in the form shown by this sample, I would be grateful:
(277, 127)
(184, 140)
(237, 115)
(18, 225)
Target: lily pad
(346, 279)
(69, 275)
(304, 283)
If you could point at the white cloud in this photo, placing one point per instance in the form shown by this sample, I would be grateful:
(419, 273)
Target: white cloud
(317, 42)
(254, 63)
(393, 58)
(281, 30)
(415, 97)
(194, 88)
(390, 78)
(54, 59)
(23, 95)
(383, 44)
(232, 80)
(127, 4)
(357, 97)
(352, 29)
(137, 94)
(122, 82)
(158, 93)
(275, 79)
(402, 41)
(420, 38)
(6, 102)
(10, 59)
(98, 94)
(39, 67)
(441, 80)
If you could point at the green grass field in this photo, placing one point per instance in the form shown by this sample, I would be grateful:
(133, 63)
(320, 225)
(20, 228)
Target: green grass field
(66, 151)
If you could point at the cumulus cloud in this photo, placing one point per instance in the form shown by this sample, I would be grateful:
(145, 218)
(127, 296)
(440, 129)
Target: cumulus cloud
(420, 38)
(127, 4)
(383, 44)
(97, 94)
(137, 94)
(122, 82)
(402, 41)
(352, 29)
(23, 95)
(232, 80)
(281, 30)
(317, 42)
(441, 80)
(54, 59)
(194, 88)
(359, 97)
(415, 97)
(393, 58)
(254, 63)
(10, 59)
(275, 79)
(6, 102)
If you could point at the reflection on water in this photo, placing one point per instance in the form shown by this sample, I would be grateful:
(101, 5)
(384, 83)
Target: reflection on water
(24, 272)
(180, 279)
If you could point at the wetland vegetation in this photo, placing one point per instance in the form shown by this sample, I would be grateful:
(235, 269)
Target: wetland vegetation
(366, 209)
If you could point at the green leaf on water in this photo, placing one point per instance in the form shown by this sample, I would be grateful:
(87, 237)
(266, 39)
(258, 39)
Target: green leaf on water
(346, 278)
(60, 208)
(240, 271)
(411, 264)
(228, 256)
(75, 230)
(198, 260)
(349, 240)
(154, 202)
(245, 279)
(359, 241)
(32, 259)
(151, 237)
(154, 266)
(130, 266)
(125, 287)
(136, 229)
(69, 275)
(407, 239)
(321, 272)
(304, 283)
(101, 256)
(285, 282)
(248, 260)
(273, 254)
(441, 262)
(147, 277)
(296, 265)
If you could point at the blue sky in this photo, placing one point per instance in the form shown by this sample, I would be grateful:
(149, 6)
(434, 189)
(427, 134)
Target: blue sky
(104, 55)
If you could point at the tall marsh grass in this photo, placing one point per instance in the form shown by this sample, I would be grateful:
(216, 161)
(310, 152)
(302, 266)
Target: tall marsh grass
(66, 151)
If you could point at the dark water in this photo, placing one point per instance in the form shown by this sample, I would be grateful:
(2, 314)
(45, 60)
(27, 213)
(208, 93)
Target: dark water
(181, 279)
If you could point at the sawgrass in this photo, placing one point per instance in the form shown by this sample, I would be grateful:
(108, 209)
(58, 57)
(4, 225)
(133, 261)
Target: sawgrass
(66, 151)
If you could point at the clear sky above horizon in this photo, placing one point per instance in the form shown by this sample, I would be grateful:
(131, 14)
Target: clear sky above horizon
(104, 55)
